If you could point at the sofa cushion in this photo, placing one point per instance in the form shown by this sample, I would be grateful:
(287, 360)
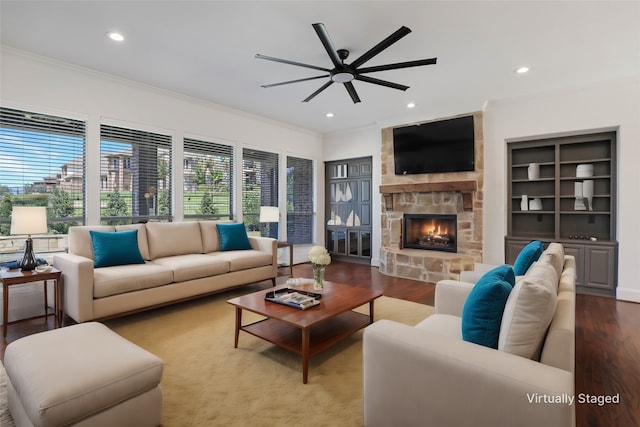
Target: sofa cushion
(527, 256)
(143, 244)
(443, 324)
(115, 248)
(173, 238)
(210, 236)
(127, 278)
(233, 237)
(244, 260)
(482, 311)
(193, 266)
(528, 312)
(80, 239)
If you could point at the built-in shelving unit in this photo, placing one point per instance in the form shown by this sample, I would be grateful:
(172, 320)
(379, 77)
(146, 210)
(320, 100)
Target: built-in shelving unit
(348, 211)
(569, 186)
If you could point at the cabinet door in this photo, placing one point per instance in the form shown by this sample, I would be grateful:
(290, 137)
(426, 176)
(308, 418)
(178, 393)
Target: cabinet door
(599, 267)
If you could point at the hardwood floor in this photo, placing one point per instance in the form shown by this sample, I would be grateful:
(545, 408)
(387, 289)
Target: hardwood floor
(607, 341)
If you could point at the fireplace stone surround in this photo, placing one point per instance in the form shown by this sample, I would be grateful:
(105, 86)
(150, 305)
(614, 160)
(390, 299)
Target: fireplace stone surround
(457, 194)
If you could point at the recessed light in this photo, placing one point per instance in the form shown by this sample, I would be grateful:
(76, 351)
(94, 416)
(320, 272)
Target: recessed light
(411, 105)
(329, 114)
(115, 36)
(522, 70)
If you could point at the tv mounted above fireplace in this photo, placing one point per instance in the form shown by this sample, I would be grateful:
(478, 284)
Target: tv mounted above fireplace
(440, 146)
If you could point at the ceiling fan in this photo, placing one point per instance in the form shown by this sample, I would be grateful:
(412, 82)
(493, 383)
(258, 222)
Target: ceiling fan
(345, 73)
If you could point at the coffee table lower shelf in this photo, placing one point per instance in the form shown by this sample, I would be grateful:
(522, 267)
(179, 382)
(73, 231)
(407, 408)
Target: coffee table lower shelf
(307, 341)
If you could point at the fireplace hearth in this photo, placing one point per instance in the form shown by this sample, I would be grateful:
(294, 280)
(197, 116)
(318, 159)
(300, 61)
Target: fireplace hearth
(430, 232)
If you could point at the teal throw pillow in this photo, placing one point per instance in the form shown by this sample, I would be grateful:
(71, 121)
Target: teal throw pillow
(233, 237)
(527, 256)
(482, 311)
(115, 248)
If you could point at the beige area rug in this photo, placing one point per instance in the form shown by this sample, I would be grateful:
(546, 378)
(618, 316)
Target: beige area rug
(208, 382)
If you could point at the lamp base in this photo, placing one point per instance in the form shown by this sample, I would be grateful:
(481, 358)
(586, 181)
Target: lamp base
(29, 260)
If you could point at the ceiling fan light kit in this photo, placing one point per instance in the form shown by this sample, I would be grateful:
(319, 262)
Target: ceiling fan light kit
(346, 73)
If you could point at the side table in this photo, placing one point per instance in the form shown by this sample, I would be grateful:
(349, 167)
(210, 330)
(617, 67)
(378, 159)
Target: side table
(16, 277)
(290, 246)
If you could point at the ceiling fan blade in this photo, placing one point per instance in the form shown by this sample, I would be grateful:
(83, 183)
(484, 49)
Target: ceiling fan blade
(323, 87)
(328, 44)
(352, 92)
(294, 81)
(382, 82)
(397, 35)
(398, 65)
(286, 61)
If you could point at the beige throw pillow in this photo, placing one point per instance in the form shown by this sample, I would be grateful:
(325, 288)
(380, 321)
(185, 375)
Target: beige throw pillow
(528, 312)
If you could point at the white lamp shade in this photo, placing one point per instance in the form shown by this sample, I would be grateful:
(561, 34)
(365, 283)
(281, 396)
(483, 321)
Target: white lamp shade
(269, 214)
(28, 220)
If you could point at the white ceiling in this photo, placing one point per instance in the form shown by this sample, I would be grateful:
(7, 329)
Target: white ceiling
(206, 49)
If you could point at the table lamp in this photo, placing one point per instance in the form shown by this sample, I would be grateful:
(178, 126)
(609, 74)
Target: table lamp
(270, 214)
(28, 220)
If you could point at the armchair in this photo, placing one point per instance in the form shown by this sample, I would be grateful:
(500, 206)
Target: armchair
(428, 376)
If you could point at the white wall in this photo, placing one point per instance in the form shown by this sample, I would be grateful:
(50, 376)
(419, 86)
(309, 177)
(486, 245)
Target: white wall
(33, 83)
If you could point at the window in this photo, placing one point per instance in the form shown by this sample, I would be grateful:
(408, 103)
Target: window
(299, 200)
(208, 180)
(135, 172)
(259, 188)
(42, 164)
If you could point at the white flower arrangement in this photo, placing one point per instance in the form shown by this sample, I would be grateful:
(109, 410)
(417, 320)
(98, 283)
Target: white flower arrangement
(319, 256)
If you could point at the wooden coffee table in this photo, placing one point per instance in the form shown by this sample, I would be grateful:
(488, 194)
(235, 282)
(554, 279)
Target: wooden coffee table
(307, 332)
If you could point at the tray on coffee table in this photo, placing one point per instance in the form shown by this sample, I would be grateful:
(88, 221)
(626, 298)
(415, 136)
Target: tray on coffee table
(297, 298)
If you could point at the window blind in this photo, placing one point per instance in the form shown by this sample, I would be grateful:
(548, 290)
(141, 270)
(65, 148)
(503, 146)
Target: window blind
(208, 180)
(135, 175)
(42, 163)
(259, 188)
(299, 200)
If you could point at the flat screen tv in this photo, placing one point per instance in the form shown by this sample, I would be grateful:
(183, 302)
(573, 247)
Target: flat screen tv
(441, 146)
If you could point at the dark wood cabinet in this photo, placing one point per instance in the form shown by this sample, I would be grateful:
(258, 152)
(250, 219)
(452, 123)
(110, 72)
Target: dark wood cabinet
(563, 189)
(348, 212)
(596, 262)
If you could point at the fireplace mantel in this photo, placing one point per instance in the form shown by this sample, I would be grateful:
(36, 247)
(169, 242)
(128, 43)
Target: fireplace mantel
(466, 188)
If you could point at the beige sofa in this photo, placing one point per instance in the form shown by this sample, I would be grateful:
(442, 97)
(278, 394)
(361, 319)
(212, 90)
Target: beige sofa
(183, 260)
(427, 375)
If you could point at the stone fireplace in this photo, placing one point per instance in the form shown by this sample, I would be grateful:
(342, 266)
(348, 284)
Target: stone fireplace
(451, 195)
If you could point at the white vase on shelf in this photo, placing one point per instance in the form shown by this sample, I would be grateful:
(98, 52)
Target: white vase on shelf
(533, 171)
(535, 205)
(524, 203)
(587, 193)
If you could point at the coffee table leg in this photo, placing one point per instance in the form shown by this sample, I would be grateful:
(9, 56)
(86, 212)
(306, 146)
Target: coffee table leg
(238, 325)
(371, 311)
(305, 354)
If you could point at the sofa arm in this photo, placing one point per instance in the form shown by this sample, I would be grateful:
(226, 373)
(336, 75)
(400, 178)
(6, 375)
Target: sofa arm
(479, 269)
(416, 377)
(269, 245)
(77, 277)
(450, 296)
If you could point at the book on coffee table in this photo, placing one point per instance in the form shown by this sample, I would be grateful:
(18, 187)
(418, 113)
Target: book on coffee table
(294, 298)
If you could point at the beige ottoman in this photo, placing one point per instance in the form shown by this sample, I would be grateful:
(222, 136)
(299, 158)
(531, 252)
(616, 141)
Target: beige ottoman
(83, 375)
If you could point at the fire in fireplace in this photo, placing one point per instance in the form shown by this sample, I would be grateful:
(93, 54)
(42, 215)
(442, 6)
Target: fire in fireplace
(430, 231)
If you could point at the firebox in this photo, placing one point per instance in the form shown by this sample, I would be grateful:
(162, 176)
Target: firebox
(430, 231)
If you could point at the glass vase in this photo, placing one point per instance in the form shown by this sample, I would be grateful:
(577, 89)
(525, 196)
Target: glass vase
(318, 277)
